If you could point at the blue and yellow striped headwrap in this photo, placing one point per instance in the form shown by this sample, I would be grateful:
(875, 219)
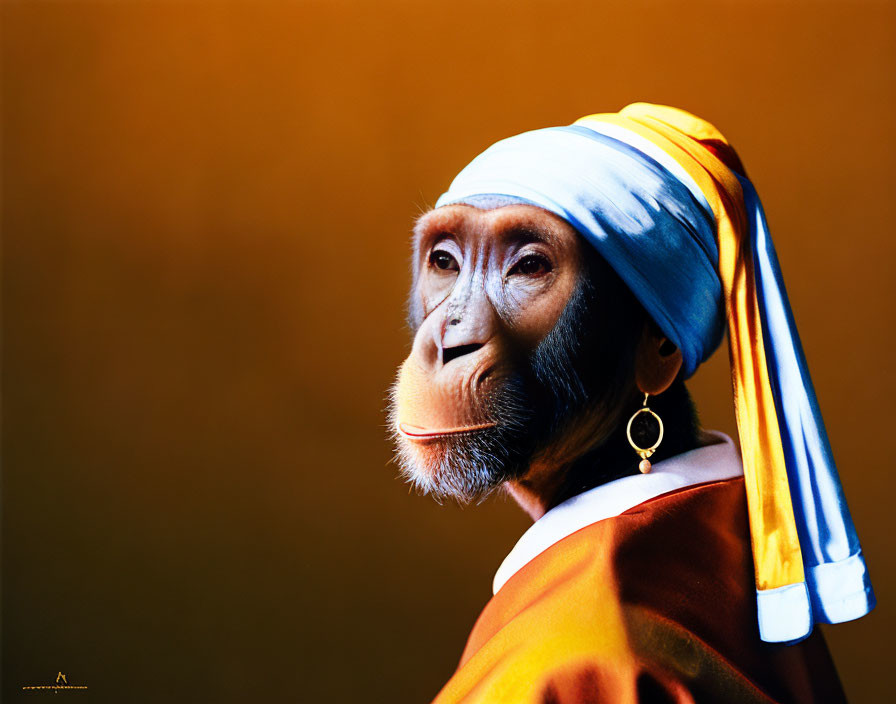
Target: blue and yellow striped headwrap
(663, 197)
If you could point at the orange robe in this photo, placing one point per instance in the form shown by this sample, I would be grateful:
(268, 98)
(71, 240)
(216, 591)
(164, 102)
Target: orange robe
(657, 604)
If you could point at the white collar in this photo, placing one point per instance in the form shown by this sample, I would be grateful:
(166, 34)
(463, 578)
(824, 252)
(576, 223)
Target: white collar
(720, 460)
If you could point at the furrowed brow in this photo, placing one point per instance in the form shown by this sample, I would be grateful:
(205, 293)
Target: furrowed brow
(524, 234)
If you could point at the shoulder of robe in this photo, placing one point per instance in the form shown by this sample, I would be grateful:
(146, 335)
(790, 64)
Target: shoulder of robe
(657, 600)
(685, 542)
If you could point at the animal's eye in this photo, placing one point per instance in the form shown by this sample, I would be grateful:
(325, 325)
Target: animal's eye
(440, 259)
(531, 265)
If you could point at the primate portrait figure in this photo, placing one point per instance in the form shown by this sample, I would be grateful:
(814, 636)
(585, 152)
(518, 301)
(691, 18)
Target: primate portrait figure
(565, 287)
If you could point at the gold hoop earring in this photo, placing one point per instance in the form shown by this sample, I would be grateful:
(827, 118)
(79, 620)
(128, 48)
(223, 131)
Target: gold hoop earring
(644, 453)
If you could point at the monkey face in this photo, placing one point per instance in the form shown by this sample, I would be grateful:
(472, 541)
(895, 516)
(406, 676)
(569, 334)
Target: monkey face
(489, 286)
(491, 377)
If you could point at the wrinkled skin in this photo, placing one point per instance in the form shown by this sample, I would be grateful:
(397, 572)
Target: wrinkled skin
(528, 353)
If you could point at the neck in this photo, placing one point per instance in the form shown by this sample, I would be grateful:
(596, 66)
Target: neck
(548, 483)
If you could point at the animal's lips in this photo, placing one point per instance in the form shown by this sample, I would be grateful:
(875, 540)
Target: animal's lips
(414, 432)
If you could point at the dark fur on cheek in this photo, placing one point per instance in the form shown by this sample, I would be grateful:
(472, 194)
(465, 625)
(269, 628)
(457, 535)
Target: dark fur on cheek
(588, 356)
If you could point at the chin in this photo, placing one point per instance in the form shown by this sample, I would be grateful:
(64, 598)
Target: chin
(466, 465)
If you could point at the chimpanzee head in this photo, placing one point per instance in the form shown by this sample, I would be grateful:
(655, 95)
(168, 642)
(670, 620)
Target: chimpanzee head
(529, 356)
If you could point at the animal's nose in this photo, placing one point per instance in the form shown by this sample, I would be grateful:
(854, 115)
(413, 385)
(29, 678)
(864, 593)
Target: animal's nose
(464, 332)
(469, 320)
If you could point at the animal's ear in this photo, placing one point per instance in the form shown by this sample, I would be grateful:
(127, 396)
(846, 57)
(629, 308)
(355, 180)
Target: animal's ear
(657, 360)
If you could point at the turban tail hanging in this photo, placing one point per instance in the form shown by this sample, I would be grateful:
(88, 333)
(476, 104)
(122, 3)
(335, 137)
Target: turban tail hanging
(663, 197)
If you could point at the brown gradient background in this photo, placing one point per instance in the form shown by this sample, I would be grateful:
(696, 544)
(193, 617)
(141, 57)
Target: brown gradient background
(206, 216)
